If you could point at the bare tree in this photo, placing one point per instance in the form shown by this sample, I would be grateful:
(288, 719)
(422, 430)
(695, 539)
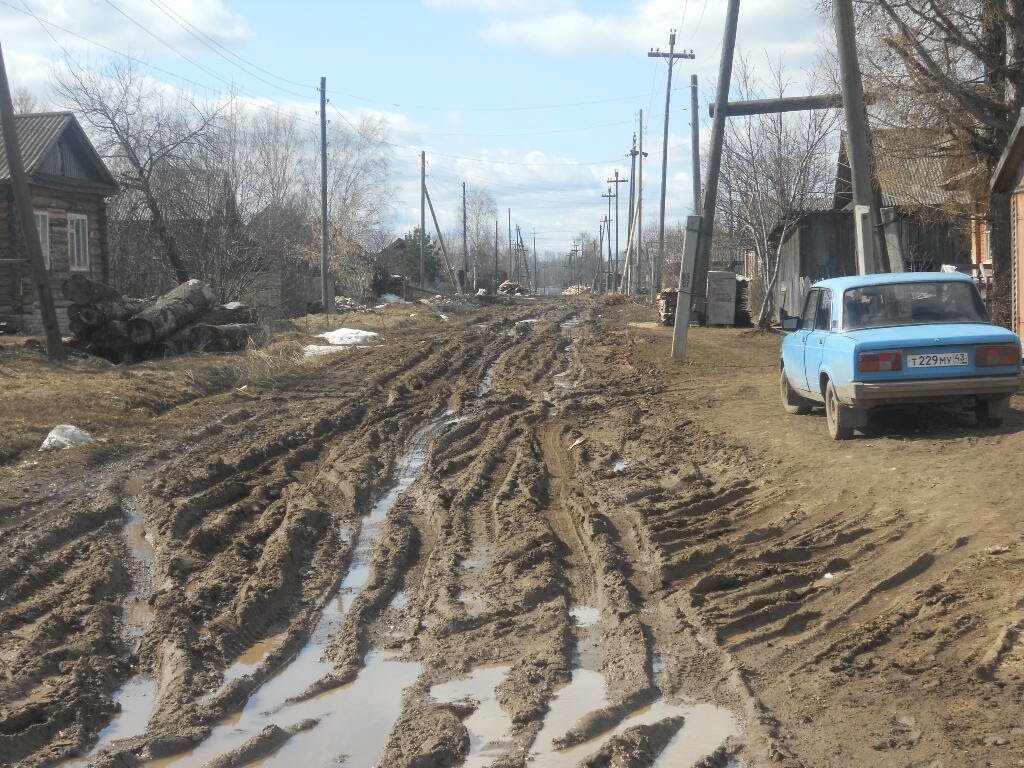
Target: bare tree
(775, 168)
(25, 101)
(957, 67)
(481, 213)
(147, 134)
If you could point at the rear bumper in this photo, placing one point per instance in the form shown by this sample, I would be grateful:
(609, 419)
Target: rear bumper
(868, 394)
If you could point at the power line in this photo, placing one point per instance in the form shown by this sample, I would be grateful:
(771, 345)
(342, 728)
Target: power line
(213, 44)
(46, 25)
(159, 39)
(477, 159)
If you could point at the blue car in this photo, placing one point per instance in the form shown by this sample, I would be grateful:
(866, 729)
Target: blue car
(866, 342)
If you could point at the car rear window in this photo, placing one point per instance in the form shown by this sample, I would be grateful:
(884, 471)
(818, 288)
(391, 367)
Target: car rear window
(878, 306)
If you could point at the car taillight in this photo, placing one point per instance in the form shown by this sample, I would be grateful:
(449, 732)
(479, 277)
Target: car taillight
(872, 362)
(992, 355)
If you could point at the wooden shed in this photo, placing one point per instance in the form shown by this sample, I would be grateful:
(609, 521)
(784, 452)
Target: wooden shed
(69, 184)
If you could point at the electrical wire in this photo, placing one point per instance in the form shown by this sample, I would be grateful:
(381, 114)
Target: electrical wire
(159, 39)
(214, 45)
(47, 25)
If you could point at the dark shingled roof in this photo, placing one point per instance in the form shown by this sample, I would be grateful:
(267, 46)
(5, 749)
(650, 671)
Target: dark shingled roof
(39, 132)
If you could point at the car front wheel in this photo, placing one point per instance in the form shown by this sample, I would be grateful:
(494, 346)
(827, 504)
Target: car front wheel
(791, 401)
(839, 418)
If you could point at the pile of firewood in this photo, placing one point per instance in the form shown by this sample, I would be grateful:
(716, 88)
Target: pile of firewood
(126, 330)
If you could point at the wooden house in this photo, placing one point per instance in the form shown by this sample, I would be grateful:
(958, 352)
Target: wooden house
(69, 184)
(1008, 179)
(923, 217)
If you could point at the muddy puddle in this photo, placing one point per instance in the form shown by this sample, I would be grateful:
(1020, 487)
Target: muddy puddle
(487, 383)
(136, 698)
(489, 727)
(705, 727)
(373, 700)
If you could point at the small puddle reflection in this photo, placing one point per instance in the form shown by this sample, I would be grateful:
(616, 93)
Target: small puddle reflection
(355, 721)
(136, 699)
(705, 726)
(249, 661)
(137, 615)
(490, 728)
(487, 383)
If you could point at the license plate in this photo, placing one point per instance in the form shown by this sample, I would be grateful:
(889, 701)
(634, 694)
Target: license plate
(939, 360)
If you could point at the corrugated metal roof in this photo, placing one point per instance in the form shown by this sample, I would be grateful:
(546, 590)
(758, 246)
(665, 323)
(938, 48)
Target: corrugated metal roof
(912, 166)
(36, 134)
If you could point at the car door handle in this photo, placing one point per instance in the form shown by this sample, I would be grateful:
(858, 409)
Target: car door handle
(821, 342)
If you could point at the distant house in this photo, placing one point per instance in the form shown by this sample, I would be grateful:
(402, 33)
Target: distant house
(919, 216)
(1008, 179)
(69, 184)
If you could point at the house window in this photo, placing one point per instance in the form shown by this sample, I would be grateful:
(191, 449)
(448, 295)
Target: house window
(43, 228)
(78, 241)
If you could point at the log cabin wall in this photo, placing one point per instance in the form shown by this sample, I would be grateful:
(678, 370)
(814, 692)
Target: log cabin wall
(18, 301)
(10, 307)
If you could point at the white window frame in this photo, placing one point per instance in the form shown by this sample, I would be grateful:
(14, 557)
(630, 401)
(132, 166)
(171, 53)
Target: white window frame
(78, 247)
(42, 219)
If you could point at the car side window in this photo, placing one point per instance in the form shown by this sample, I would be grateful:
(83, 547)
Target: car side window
(824, 317)
(810, 310)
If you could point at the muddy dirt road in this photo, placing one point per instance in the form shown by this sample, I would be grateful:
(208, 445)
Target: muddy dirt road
(528, 540)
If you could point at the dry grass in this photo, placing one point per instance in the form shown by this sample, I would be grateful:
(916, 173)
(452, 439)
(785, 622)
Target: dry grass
(115, 401)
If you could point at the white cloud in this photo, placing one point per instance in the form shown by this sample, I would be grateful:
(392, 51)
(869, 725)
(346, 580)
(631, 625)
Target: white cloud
(500, 6)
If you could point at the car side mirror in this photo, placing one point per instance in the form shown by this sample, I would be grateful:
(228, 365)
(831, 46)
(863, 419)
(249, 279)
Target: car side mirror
(791, 324)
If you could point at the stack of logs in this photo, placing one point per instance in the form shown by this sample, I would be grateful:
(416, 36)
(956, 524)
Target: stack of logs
(126, 330)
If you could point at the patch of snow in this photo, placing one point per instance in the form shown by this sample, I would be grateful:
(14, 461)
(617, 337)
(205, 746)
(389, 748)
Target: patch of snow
(444, 317)
(315, 350)
(64, 436)
(344, 337)
(234, 305)
(390, 298)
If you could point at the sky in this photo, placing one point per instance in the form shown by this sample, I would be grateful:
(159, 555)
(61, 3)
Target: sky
(535, 100)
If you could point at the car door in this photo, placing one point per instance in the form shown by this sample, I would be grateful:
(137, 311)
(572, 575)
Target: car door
(816, 339)
(796, 367)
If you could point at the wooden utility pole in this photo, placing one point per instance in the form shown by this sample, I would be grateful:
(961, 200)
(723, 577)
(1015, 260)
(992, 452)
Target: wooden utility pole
(325, 272)
(23, 202)
(465, 241)
(610, 281)
(509, 243)
(423, 215)
(635, 210)
(640, 207)
(440, 240)
(871, 251)
(536, 273)
(710, 198)
(695, 144)
(671, 56)
(629, 219)
(616, 181)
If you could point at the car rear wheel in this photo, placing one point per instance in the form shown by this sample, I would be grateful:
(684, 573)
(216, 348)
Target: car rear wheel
(839, 418)
(791, 401)
(990, 413)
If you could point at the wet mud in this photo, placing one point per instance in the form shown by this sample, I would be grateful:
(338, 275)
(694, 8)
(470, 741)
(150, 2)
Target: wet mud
(517, 544)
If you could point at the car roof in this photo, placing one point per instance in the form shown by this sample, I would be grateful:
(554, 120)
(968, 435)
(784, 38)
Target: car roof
(840, 284)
